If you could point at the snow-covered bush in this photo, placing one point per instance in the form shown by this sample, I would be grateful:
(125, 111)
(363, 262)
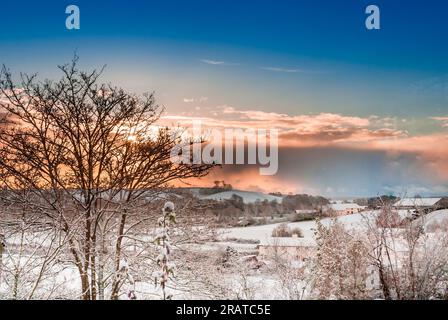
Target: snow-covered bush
(283, 231)
(162, 240)
(340, 268)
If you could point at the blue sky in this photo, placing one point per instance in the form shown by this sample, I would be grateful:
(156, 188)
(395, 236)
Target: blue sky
(325, 40)
(286, 57)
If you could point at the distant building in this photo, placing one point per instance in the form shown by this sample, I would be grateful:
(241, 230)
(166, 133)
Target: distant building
(426, 204)
(306, 211)
(342, 209)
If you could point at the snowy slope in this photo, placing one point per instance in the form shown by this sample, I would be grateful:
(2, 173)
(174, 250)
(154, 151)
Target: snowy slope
(263, 233)
(433, 218)
(248, 196)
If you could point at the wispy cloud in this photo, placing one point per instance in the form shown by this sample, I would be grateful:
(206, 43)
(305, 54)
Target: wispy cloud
(219, 62)
(285, 70)
(292, 70)
(214, 62)
(193, 100)
(444, 120)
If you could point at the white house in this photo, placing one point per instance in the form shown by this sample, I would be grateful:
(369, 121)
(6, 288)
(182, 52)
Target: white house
(341, 209)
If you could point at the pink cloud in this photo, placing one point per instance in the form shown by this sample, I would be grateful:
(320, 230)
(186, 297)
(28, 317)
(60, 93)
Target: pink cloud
(334, 130)
(299, 130)
(444, 120)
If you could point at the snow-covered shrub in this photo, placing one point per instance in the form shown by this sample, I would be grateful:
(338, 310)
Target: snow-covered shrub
(283, 231)
(297, 217)
(388, 218)
(341, 263)
(162, 240)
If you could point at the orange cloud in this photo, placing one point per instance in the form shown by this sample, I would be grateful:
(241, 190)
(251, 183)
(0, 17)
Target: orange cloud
(246, 177)
(430, 150)
(300, 130)
(328, 130)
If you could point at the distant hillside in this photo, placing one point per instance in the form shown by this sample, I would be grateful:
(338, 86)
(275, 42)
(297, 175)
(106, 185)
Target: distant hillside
(378, 201)
(290, 202)
(304, 201)
(247, 196)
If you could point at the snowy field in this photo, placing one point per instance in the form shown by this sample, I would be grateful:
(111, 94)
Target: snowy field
(435, 218)
(63, 282)
(263, 233)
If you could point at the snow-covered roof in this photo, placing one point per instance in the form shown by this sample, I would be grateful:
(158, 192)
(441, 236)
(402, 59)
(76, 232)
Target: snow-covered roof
(417, 202)
(305, 210)
(345, 206)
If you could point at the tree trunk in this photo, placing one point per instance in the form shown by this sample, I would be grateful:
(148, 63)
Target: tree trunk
(1, 262)
(101, 270)
(116, 282)
(384, 285)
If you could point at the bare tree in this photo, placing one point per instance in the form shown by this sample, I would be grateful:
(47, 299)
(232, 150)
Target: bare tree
(409, 263)
(2, 249)
(294, 275)
(341, 263)
(34, 250)
(31, 262)
(90, 155)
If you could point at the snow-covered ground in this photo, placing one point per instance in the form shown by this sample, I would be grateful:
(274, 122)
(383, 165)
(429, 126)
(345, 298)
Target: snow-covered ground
(262, 283)
(257, 286)
(263, 233)
(438, 217)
